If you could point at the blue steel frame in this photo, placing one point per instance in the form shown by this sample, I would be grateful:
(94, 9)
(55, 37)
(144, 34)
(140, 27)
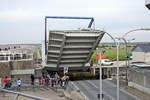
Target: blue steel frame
(63, 17)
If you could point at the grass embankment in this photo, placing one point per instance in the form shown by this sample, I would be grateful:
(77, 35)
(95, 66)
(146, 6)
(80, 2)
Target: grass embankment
(111, 53)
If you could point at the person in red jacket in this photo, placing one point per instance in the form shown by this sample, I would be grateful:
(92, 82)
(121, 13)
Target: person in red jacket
(42, 81)
(5, 81)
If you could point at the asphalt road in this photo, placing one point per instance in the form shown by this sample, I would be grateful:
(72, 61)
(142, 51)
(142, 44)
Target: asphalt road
(90, 88)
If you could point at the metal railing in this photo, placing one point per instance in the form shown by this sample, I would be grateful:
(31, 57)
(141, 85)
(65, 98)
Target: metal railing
(21, 94)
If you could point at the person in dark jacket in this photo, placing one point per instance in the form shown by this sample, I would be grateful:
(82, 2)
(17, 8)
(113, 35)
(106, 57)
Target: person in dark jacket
(32, 79)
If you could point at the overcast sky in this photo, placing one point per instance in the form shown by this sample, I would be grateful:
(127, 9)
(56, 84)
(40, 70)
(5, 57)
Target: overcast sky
(22, 21)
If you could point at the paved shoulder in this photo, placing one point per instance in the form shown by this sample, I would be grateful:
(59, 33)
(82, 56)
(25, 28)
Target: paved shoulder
(91, 88)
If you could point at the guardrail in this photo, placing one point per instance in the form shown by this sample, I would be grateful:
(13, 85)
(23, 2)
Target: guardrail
(21, 94)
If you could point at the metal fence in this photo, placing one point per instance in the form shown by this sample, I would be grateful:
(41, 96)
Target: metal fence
(140, 76)
(21, 94)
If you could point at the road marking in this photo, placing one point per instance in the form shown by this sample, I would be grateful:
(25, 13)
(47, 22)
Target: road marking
(121, 90)
(91, 92)
(92, 84)
(86, 98)
(103, 91)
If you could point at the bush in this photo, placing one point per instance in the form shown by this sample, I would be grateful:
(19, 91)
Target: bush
(81, 76)
(84, 76)
(111, 53)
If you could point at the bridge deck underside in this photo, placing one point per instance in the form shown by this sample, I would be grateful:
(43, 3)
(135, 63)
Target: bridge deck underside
(72, 48)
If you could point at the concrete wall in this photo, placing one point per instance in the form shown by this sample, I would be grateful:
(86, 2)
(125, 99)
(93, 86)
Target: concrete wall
(7, 67)
(25, 64)
(139, 80)
(147, 57)
(138, 57)
(141, 57)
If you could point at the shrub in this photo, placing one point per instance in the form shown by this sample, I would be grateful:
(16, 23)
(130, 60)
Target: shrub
(84, 76)
(81, 76)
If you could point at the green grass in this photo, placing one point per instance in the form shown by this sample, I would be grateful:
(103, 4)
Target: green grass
(111, 53)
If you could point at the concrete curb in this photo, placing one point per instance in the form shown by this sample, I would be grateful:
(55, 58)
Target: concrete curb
(77, 89)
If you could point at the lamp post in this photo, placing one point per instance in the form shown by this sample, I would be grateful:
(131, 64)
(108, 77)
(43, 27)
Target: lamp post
(118, 96)
(127, 59)
(140, 29)
(125, 41)
(100, 75)
(117, 45)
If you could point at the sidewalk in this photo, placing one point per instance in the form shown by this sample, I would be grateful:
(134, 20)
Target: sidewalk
(139, 94)
(49, 94)
(133, 91)
(46, 92)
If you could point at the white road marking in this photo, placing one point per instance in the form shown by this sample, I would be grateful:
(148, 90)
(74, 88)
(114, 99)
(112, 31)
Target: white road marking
(85, 97)
(103, 91)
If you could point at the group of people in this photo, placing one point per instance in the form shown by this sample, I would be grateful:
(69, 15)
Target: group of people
(7, 83)
(53, 80)
(45, 80)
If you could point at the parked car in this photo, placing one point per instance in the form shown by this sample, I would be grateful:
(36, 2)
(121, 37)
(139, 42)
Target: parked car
(106, 62)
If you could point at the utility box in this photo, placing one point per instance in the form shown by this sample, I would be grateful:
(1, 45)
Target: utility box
(71, 48)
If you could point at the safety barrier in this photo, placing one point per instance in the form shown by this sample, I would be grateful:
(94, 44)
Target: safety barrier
(21, 94)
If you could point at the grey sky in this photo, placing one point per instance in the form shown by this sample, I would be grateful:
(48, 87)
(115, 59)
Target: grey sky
(22, 21)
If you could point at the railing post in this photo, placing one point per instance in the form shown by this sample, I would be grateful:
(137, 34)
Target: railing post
(16, 97)
(3, 93)
(22, 94)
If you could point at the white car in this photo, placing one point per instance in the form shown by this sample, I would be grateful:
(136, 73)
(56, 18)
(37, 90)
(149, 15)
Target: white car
(106, 62)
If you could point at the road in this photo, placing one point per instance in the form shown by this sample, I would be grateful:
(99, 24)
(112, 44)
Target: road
(90, 88)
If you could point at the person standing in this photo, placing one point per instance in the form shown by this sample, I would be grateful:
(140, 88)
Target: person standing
(67, 80)
(32, 79)
(19, 84)
(56, 78)
(5, 81)
(52, 82)
(42, 81)
(39, 78)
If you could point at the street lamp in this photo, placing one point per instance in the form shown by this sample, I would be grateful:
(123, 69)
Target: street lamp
(125, 41)
(140, 29)
(117, 45)
(123, 38)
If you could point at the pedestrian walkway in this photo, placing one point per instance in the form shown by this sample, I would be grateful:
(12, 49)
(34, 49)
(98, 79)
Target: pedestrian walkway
(53, 93)
(133, 91)
(49, 94)
(139, 94)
